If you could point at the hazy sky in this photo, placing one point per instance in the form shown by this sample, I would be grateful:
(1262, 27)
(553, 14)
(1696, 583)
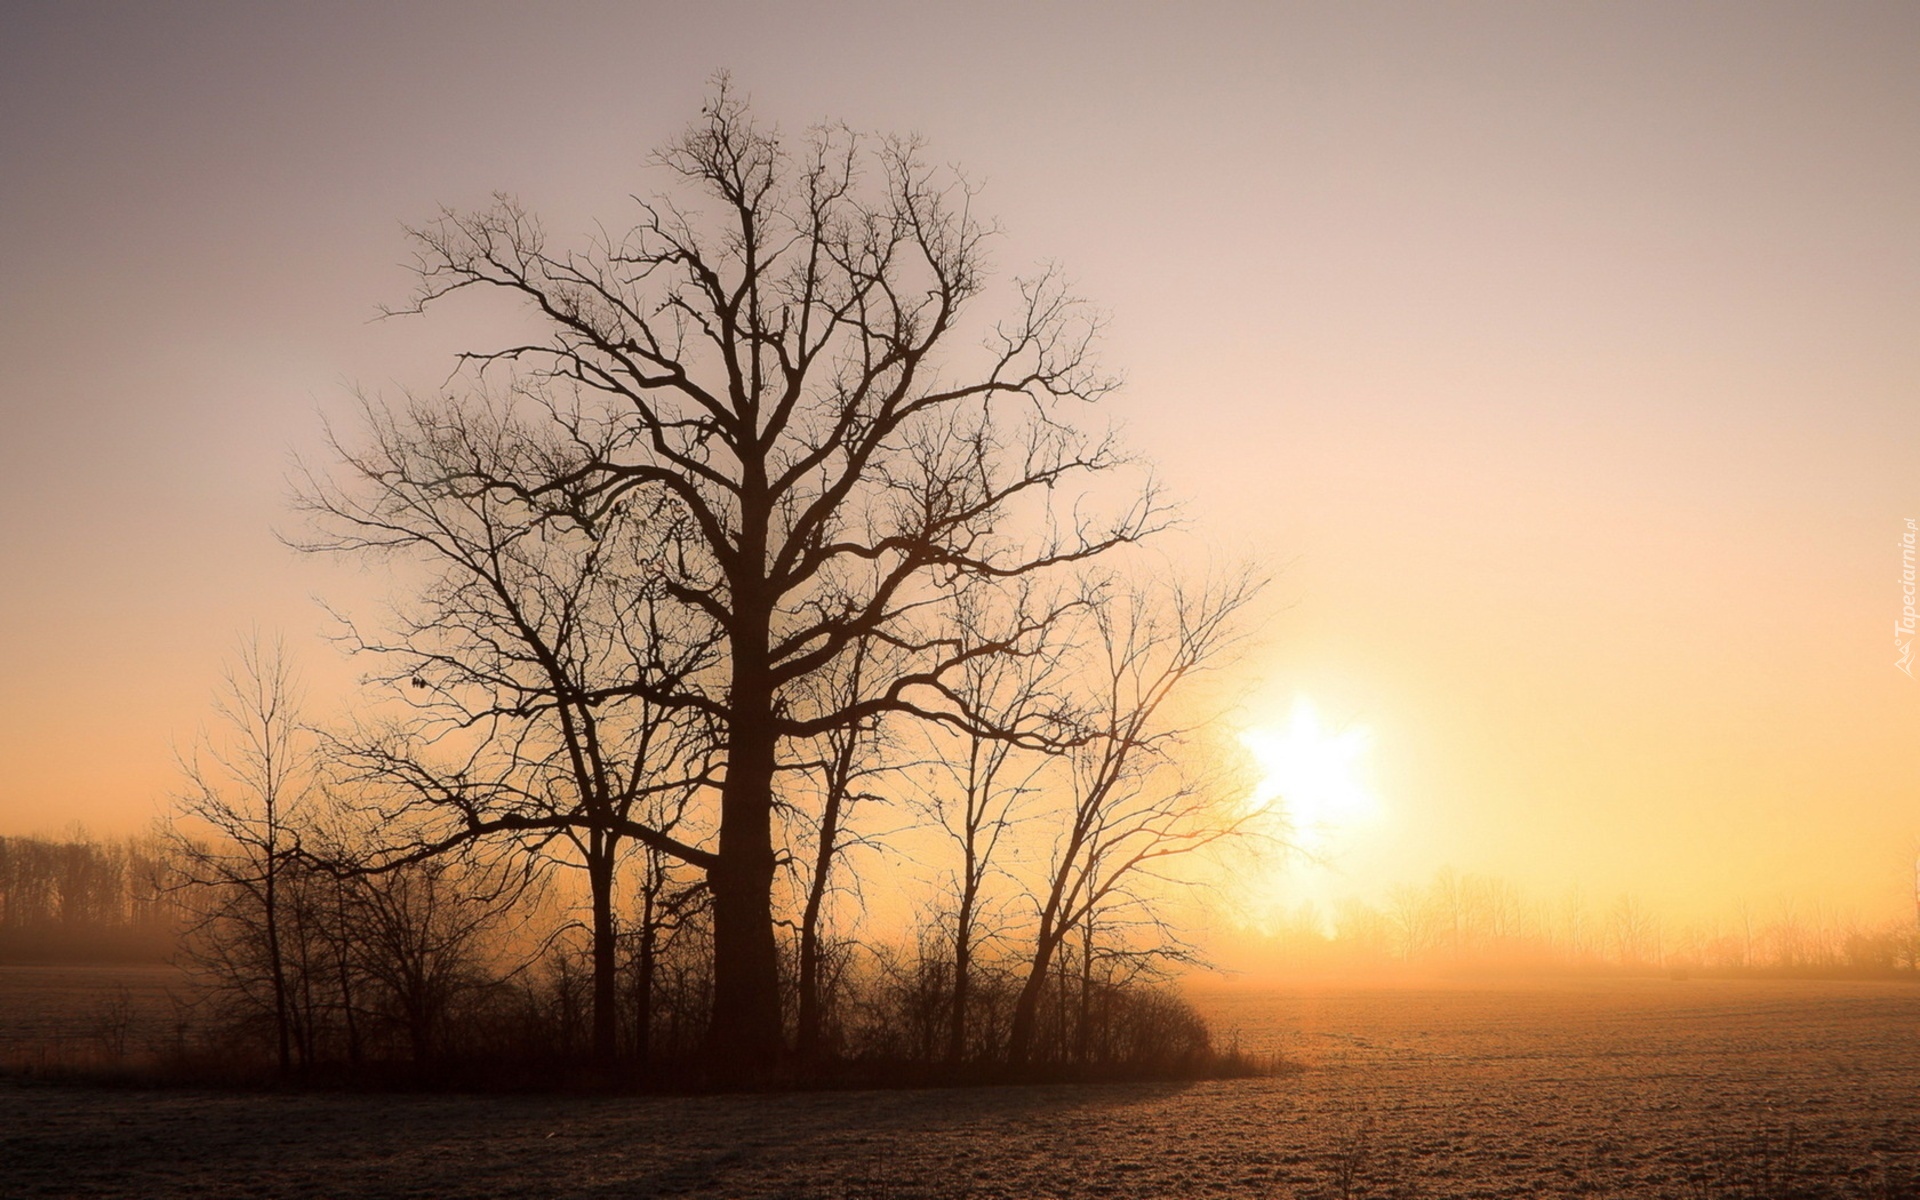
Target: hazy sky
(1562, 360)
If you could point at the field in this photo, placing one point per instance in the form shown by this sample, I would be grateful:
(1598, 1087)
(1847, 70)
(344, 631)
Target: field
(1701, 1088)
(68, 1013)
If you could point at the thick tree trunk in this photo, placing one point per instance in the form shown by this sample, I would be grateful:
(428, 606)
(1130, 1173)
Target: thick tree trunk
(745, 1040)
(745, 1037)
(600, 861)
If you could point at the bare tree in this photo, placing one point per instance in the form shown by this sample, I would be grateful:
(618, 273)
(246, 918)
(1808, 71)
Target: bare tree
(786, 372)
(236, 831)
(530, 658)
(849, 756)
(1450, 894)
(85, 899)
(1131, 807)
(1634, 931)
(1412, 915)
(1745, 927)
(419, 935)
(981, 778)
(1575, 917)
(665, 905)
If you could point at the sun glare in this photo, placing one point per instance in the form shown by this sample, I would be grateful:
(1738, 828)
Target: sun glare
(1310, 772)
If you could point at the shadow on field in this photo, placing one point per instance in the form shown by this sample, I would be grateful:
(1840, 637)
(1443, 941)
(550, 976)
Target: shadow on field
(60, 1139)
(873, 1138)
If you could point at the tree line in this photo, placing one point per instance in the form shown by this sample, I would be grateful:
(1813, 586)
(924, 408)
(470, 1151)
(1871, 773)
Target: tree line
(79, 899)
(1469, 920)
(755, 581)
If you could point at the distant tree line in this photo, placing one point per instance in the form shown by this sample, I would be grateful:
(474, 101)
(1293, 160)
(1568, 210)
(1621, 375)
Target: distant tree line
(83, 900)
(1469, 920)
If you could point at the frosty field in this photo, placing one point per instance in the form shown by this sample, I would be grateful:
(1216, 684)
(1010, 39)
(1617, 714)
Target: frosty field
(1653, 1088)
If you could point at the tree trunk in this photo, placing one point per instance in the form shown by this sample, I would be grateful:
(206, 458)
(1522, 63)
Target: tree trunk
(643, 986)
(275, 964)
(1026, 1009)
(338, 936)
(307, 1022)
(1083, 1034)
(807, 1025)
(420, 1032)
(744, 1040)
(807, 1034)
(600, 862)
(962, 973)
(745, 1037)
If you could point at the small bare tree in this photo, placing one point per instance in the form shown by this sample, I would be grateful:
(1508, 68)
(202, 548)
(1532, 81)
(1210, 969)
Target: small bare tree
(983, 773)
(236, 832)
(665, 905)
(421, 936)
(1132, 806)
(848, 757)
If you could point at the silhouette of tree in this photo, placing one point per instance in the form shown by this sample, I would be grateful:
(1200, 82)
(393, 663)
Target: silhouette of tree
(1131, 807)
(981, 782)
(519, 657)
(247, 789)
(848, 758)
(418, 936)
(86, 900)
(783, 374)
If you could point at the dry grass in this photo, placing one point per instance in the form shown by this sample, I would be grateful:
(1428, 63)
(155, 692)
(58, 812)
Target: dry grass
(1696, 1090)
(89, 1017)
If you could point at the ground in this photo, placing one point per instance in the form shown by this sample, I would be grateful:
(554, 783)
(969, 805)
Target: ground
(1636, 1088)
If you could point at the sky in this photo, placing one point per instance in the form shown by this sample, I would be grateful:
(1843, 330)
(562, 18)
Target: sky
(1557, 360)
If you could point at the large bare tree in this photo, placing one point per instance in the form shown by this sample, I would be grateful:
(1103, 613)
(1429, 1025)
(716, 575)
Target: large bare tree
(779, 350)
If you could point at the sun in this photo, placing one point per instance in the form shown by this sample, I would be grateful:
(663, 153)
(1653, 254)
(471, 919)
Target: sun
(1311, 773)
